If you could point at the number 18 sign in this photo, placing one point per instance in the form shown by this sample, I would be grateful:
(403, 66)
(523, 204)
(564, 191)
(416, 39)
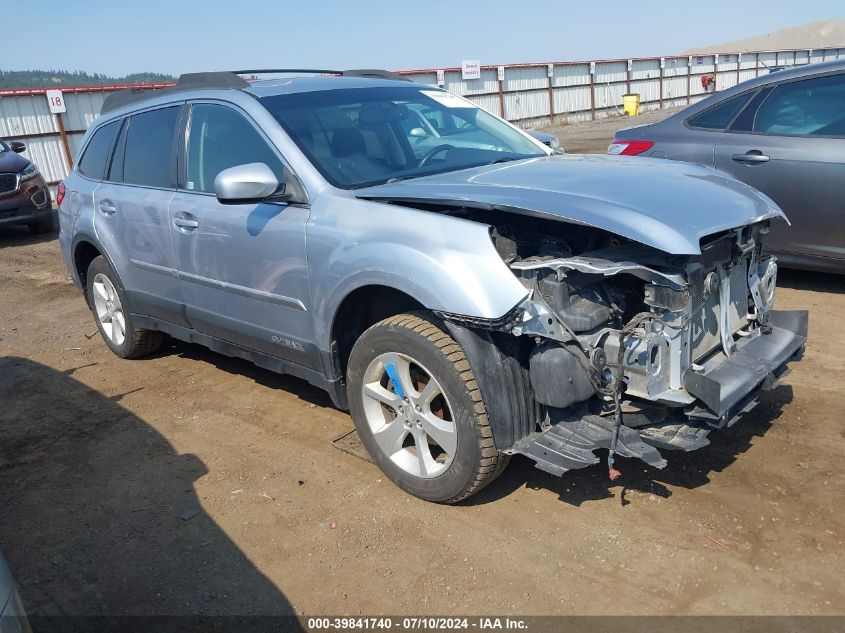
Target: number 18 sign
(56, 101)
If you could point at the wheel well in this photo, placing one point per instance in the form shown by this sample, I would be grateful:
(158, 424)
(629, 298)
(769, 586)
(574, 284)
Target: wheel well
(360, 309)
(83, 255)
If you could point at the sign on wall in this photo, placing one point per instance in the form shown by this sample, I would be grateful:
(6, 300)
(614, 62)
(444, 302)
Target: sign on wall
(500, 73)
(56, 101)
(470, 69)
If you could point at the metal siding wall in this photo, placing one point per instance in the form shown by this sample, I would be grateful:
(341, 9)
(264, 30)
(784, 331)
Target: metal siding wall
(526, 105)
(486, 85)
(675, 87)
(749, 60)
(609, 72)
(649, 90)
(609, 95)
(572, 99)
(767, 60)
(429, 79)
(525, 89)
(645, 69)
(571, 75)
(525, 78)
(20, 116)
(745, 75)
(487, 102)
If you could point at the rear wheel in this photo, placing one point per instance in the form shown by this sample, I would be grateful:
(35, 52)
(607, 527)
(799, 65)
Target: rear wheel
(107, 301)
(418, 409)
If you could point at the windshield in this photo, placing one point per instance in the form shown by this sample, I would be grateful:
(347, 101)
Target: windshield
(4, 147)
(365, 136)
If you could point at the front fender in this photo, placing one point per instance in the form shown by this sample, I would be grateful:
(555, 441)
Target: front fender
(447, 264)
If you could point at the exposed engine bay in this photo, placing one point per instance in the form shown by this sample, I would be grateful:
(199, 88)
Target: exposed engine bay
(635, 349)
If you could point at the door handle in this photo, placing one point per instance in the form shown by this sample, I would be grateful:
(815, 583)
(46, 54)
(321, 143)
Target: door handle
(186, 222)
(751, 157)
(107, 207)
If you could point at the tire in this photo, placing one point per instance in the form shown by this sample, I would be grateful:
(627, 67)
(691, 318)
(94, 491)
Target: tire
(44, 226)
(447, 418)
(107, 300)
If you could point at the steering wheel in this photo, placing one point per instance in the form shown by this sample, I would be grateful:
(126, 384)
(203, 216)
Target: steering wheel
(434, 151)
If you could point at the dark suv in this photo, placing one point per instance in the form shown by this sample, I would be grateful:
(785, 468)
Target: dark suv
(24, 197)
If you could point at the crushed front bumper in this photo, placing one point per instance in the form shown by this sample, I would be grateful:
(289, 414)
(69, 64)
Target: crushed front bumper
(725, 389)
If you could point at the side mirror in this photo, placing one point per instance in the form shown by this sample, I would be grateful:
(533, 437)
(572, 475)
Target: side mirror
(417, 132)
(17, 147)
(242, 184)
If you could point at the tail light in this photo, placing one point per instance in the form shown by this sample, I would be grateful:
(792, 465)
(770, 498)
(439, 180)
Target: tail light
(60, 193)
(629, 148)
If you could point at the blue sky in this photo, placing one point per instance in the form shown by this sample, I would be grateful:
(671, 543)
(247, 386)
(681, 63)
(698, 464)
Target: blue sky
(174, 36)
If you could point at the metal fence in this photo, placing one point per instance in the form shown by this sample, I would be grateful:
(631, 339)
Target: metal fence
(529, 95)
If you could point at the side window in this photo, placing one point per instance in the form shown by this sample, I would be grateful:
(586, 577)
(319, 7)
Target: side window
(745, 121)
(116, 168)
(811, 107)
(96, 156)
(148, 151)
(719, 116)
(219, 138)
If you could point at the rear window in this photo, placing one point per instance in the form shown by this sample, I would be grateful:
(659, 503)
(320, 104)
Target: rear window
(93, 161)
(719, 116)
(148, 154)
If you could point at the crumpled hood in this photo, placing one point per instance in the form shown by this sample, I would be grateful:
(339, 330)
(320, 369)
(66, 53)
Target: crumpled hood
(665, 204)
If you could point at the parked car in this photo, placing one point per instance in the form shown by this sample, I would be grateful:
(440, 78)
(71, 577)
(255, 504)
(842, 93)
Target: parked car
(12, 615)
(549, 140)
(783, 133)
(24, 196)
(468, 304)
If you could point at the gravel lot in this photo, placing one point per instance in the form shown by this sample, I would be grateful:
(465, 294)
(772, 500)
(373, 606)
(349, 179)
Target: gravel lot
(193, 483)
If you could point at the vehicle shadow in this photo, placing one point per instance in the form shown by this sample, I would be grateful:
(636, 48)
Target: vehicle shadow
(238, 366)
(22, 236)
(811, 280)
(101, 524)
(684, 470)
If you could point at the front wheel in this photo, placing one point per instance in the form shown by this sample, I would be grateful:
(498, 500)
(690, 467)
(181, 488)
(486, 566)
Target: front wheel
(107, 301)
(418, 409)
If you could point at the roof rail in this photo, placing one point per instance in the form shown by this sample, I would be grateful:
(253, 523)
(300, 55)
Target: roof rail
(358, 72)
(272, 71)
(373, 72)
(230, 79)
(187, 81)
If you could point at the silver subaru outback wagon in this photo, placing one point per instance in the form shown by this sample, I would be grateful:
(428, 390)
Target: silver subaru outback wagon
(464, 291)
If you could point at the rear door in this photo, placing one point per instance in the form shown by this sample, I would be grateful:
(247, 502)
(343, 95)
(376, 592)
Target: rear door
(790, 144)
(242, 266)
(132, 212)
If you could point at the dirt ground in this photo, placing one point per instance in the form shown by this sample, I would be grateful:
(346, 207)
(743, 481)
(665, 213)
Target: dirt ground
(191, 483)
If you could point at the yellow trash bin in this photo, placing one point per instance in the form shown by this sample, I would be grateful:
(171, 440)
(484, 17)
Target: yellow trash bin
(631, 104)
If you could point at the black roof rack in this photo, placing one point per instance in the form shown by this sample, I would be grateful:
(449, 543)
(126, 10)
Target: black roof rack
(228, 79)
(357, 72)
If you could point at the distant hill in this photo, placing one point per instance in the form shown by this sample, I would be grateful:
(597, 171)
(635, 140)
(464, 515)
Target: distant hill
(61, 78)
(823, 34)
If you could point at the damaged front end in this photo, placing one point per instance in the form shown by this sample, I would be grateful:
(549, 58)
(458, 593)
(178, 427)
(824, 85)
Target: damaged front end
(635, 350)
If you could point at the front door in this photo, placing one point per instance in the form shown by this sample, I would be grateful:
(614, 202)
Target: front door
(242, 267)
(792, 148)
